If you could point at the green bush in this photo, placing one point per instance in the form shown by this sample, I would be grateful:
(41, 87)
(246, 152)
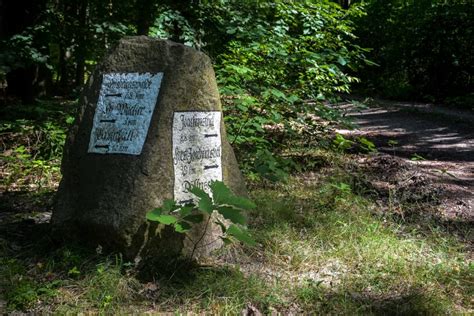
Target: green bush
(282, 60)
(423, 48)
(223, 202)
(276, 61)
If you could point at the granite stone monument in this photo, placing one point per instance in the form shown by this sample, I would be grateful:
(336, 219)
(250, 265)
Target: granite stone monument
(149, 128)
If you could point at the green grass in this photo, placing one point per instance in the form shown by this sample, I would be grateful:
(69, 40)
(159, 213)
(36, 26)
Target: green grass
(372, 263)
(321, 249)
(31, 140)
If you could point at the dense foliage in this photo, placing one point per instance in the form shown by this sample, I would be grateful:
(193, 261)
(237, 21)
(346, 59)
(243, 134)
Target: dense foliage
(355, 235)
(278, 67)
(275, 61)
(424, 48)
(222, 201)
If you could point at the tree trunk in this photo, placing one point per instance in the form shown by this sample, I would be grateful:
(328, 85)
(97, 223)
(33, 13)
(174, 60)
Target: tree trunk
(144, 16)
(82, 42)
(23, 78)
(345, 4)
(66, 39)
(63, 73)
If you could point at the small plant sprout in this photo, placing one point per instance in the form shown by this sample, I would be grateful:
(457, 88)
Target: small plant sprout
(417, 157)
(392, 143)
(229, 206)
(341, 143)
(367, 145)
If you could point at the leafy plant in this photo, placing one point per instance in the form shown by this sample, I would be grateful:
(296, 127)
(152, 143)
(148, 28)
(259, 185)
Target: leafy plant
(32, 152)
(166, 24)
(228, 206)
(392, 143)
(367, 145)
(416, 60)
(282, 60)
(417, 157)
(341, 143)
(21, 289)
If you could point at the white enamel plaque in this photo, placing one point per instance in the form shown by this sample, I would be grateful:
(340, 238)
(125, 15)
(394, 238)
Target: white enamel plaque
(124, 109)
(196, 152)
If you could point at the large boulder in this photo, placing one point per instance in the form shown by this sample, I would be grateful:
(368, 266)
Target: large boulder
(149, 126)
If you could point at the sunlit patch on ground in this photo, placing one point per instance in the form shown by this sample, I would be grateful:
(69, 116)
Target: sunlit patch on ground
(358, 234)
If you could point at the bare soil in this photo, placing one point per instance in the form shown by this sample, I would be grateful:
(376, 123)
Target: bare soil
(423, 149)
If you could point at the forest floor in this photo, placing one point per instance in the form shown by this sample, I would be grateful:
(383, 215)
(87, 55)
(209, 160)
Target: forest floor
(435, 141)
(385, 231)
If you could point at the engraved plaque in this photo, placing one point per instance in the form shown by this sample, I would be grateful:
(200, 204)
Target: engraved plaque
(124, 109)
(196, 152)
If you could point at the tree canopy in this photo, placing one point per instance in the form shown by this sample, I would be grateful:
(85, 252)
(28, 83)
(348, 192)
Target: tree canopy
(422, 48)
(276, 61)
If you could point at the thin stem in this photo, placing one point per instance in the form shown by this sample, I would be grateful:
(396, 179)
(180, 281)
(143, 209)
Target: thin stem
(202, 236)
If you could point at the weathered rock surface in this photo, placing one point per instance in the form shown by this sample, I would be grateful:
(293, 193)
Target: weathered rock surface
(103, 198)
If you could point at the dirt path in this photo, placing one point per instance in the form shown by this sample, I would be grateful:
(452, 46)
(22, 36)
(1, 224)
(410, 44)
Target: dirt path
(441, 141)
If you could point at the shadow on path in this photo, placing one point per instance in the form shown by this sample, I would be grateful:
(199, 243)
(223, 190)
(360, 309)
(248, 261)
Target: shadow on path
(440, 144)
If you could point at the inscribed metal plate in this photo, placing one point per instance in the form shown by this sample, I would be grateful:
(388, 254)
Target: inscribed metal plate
(124, 109)
(196, 152)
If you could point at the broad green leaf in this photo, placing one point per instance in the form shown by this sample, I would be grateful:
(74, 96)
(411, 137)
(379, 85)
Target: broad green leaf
(222, 195)
(205, 202)
(182, 227)
(241, 235)
(231, 30)
(417, 157)
(200, 193)
(206, 205)
(195, 218)
(186, 210)
(70, 120)
(166, 219)
(293, 98)
(153, 215)
(370, 146)
(341, 61)
(220, 192)
(227, 241)
(241, 202)
(232, 214)
(169, 205)
(277, 93)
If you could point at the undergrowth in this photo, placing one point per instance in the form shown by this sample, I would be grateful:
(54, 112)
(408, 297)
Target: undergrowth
(323, 246)
(31, 141)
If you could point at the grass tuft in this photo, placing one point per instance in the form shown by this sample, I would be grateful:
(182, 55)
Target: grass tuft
(323, 247)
